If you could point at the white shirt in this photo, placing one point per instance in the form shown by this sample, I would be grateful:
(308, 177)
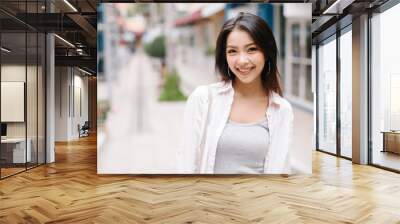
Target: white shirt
(192, 158)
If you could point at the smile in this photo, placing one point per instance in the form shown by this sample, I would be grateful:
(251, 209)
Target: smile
(244, 71)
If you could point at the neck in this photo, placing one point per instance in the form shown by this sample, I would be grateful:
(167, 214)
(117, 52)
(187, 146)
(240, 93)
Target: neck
(254, 89)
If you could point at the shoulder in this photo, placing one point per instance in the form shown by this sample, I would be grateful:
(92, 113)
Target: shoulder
(285, 108)
(218, 85)
(285, 105)
(201, 92)
(199, 97)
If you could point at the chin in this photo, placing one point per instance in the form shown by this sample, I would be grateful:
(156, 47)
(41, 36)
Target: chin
(248, 79)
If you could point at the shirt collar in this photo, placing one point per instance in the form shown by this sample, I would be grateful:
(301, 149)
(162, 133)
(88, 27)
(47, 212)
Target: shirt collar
(224, 87)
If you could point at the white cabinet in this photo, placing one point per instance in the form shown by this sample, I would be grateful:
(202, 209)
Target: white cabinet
(18, 149)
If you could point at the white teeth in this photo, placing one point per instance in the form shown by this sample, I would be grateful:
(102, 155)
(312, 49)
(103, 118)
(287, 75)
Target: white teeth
(245, 70)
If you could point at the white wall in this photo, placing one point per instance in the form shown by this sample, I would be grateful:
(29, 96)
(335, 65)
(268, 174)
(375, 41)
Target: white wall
(12, 101)
(71, 88)
(61, 103)
(33, 126)
(11, 73)
(80, 100)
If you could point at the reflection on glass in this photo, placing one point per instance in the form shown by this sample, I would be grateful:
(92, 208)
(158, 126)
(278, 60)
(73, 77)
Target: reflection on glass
(13, 86)
(327, 97)
(31, 101)
(22, 89)
(41, 98)
(394, 101)
(346, 94)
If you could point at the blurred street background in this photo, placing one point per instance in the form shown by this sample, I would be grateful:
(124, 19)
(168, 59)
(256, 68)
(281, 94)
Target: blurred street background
(152, 56)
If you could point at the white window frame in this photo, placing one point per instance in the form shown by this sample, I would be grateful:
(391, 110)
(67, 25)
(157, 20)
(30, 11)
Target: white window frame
(303, 61)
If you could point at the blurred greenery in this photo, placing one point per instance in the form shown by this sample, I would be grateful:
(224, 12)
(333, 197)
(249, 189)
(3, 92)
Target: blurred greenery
(171, 91)
(138, 8)
(210, 51)
(156, 48)
(102, 111)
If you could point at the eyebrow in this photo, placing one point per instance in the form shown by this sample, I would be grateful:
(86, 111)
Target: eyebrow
(244, 45)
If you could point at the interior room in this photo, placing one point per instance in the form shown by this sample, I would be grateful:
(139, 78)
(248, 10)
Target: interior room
(340, 73)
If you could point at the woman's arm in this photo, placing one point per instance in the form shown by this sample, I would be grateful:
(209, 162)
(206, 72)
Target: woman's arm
(280, 159)
(187, 157)
(288, 133)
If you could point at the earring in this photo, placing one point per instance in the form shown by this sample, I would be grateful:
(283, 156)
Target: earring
(269, 66)
(229, 74)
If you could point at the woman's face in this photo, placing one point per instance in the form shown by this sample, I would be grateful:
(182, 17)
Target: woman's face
(244, 57)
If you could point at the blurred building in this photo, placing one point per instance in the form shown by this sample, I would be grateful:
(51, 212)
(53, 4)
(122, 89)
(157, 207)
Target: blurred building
(195, 45)
(112, 29)
(297, 72)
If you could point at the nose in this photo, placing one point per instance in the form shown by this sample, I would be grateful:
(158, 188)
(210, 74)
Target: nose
(243, 58)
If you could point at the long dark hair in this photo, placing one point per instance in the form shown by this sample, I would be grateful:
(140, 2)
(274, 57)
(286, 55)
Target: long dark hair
(263, 38)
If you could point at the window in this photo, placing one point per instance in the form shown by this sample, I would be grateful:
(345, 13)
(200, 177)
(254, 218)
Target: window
(385, 88)
(308, 41)
(309, 93)
(296, 40)
(346, 94)
(22, 64)
(327, 96)
(298, 62)
(295, 79)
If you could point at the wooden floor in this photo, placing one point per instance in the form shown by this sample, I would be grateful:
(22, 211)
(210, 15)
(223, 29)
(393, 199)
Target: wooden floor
(70, 191)
(5, 172)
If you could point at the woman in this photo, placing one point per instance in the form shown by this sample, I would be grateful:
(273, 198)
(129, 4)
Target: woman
(242, 124)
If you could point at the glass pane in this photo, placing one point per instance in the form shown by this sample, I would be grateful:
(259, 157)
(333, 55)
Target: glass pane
(327, 97)
(295, 79)
(17, 6)
(32, 7)
(13, 87)
(41, 98)
(385, 86)
(31, 100)
(346, 94)
(11, 24)
(41, 6)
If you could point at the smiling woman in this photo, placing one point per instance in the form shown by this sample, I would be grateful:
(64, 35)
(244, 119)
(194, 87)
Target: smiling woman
(246, 60)
(242, 124)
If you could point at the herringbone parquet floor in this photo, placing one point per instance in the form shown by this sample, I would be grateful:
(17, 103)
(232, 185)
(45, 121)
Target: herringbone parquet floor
(70, 191)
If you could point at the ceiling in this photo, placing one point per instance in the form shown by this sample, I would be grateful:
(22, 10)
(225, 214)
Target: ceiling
(330, 15)
(76, 23)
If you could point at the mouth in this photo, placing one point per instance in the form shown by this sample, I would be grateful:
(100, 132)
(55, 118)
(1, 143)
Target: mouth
(245, 71)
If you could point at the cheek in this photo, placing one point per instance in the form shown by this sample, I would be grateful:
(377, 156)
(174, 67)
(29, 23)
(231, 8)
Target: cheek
(230, 60)
(262, 59)
(259, 60)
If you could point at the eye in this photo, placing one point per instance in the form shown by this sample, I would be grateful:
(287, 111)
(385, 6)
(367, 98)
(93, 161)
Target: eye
(231, 51)
(252, 49)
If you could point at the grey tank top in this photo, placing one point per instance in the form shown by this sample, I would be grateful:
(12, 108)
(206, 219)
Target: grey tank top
(242, 148)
